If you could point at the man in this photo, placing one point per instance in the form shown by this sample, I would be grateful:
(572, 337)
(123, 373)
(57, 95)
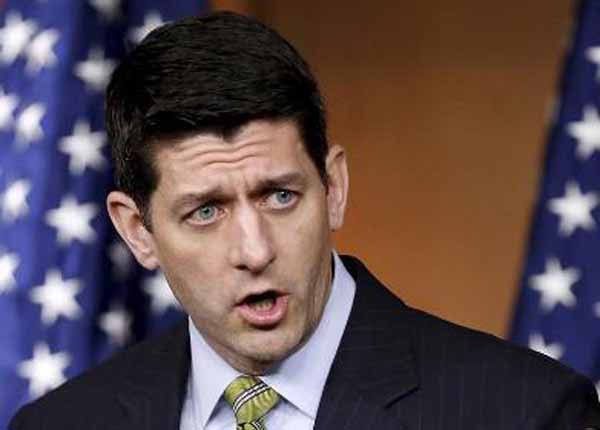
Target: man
(227, 184)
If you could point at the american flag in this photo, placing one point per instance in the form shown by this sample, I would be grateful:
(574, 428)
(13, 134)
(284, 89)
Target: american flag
(70, 292)
(558, 311)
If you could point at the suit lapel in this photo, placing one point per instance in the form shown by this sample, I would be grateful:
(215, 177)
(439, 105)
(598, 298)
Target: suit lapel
(375, 363)
(154, 390)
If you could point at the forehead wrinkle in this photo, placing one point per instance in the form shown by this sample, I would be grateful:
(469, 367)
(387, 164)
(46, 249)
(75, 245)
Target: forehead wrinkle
(208, 154)
(248, 159)
(221, 176)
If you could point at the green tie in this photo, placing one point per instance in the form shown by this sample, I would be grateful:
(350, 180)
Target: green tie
(250, 399)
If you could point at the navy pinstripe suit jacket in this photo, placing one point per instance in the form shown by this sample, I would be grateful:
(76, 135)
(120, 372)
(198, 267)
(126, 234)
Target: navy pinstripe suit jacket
(396, 368)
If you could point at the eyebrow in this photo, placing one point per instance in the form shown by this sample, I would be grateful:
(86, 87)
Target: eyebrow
(281, 181)
(196, 198)
(288, 179)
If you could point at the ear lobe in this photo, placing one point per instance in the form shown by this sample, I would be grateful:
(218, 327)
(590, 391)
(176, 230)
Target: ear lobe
(127, 219)
(337, 193)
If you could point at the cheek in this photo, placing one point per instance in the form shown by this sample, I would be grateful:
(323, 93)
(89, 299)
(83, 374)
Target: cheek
(306, 251)
(186, 252)
(192, 271)
(310, 223)
(202, 297)
(304, 240)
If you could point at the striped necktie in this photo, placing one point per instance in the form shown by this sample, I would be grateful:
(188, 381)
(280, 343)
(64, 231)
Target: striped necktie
(250, 399)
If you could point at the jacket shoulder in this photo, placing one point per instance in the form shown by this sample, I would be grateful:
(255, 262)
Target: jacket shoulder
(543, 390)
(463, 344)
(464, 374)
(438, 342)
(95, 389)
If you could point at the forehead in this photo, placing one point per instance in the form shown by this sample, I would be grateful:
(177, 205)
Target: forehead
(259, 149)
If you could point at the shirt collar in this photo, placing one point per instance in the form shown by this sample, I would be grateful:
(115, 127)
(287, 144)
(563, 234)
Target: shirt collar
(300, 378)
(210, 376)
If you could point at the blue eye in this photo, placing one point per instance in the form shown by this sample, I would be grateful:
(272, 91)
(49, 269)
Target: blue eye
(284, 196)
(282, 199)
(206, 212)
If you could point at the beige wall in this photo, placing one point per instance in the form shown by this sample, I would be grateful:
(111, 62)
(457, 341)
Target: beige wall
(442, 107)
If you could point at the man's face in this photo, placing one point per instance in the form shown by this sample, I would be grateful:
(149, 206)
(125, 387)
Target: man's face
(241, 230)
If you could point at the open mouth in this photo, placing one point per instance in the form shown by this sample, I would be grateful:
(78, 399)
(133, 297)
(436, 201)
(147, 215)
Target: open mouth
(263, 310)
(261, 302)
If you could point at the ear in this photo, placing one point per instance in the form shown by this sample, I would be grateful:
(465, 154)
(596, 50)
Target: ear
(127, 219)
(337, 191)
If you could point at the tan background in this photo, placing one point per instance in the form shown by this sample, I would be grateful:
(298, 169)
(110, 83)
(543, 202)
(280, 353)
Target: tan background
(442, 106)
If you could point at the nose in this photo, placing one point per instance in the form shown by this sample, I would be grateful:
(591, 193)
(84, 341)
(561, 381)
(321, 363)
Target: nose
(251, 245)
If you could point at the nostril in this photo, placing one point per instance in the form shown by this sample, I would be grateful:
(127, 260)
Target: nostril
(256, 262)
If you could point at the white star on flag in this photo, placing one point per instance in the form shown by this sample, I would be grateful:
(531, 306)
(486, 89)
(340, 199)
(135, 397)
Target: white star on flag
(587, 132)
(593, 54)
(161, 296)
(597, 309)
(56, 296)
(8, 104)
(574, 209)
(110, 9)
(96, 70)
(116, 323)
(152, 20)
(13, 201)
(121, 259)
(29, 123)
(553, 350)
(555, 285)
(84, 148)
(8, 266)
(72, 220)
(40, 52)
(14, 36)
(45, 371)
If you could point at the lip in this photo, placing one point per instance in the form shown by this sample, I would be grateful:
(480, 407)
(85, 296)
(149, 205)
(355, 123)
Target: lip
(264, 318)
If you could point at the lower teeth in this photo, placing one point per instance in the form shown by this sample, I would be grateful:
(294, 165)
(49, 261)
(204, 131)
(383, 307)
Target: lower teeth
(263, 305)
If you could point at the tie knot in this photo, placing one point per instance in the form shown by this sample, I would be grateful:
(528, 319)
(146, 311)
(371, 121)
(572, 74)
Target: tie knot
(250, 398)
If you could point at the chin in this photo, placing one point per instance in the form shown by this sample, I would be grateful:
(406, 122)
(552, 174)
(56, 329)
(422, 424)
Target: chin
(268, 357)
(272, 348)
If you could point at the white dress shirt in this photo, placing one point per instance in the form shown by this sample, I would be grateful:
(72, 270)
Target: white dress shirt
(299, 379)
